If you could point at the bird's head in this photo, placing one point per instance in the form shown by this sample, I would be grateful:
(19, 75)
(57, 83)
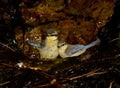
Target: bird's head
(61, 43)
(52, 32)
(52, 35)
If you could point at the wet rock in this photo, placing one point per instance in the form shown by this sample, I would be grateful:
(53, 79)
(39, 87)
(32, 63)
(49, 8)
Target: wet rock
(85, 17)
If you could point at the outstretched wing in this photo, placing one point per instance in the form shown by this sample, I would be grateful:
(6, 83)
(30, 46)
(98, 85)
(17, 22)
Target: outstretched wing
(72, 49)
(34, 44)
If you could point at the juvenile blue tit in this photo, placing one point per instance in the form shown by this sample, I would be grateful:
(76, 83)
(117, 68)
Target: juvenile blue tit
(49, 47)
(68, 50)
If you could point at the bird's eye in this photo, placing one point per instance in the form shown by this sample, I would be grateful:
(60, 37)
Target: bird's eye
(61, 44)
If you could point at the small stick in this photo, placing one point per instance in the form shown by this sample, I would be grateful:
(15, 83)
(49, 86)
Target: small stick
(2, 84)
(114, 40)
(91, 73)
(7, 46)
(111, 83)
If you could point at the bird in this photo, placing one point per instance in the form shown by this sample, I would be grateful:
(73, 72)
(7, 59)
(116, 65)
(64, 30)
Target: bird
(51, 47)
(48, 48)
(68, 50)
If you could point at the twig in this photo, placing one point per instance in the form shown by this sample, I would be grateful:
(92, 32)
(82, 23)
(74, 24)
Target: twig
(4, 45)
(114, 40)
(91, 61)
(2, 84)
(23, 66)
(45, 85)
(92, 73)
(53, 81)
(111, 83)
(49, 84)
(8, 65)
